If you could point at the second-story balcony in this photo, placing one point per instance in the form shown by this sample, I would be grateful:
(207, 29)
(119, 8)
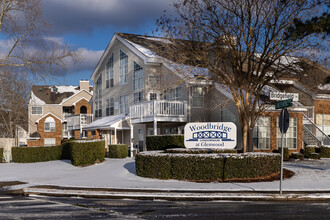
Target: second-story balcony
(76, 122)
(171, 111)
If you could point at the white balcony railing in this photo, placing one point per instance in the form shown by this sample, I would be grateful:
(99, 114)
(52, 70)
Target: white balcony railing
(78, 121)
(163, 110)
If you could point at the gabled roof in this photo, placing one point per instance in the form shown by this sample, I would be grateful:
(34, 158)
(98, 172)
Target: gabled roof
(48, 114)
(41, 95)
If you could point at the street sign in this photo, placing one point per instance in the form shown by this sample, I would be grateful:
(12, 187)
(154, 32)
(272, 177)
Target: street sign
(284, 122)
(283, 104)
(282, 96)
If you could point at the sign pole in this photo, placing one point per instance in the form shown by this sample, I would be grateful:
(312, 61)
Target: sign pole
(282, 152)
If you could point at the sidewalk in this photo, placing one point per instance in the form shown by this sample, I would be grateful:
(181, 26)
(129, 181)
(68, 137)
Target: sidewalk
(116, 178)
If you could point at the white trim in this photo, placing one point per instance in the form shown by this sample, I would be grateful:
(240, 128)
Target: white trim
(49, 113)
(74, 96)
(74, 104)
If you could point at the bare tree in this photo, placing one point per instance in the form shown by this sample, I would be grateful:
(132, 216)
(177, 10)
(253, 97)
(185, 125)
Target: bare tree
(243, 43)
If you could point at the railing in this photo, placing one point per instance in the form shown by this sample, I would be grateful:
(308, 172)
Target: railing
(158, 108)
(316, 132)
(77, 121)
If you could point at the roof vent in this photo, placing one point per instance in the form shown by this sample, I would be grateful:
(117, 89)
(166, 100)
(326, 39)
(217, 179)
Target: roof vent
(40, 89)
(55, 89)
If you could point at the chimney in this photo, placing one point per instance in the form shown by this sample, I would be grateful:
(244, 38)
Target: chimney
(84, 84)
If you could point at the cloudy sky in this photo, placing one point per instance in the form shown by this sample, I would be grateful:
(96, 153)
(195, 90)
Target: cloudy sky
(88, 26)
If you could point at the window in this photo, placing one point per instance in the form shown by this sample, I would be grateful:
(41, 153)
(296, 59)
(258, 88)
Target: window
(261, 134)
(323, 122)
(98, 88)
(110, 107)
(123, 104)
(290, 138)
(138, 97)
(173, 94)
(50, 141)
(98, 109)
(197, 97)
(137, 77)
(36, 110)
(109, 72)
(227, 116)
(152, 96)
(123, 74)
(49, 125)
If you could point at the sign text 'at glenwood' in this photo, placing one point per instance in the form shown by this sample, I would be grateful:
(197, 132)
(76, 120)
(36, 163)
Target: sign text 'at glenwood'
(210, 135)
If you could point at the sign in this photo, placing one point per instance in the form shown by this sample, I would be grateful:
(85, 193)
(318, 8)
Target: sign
(282, 96)
(210, 135)
(284, 122)
(283, 104)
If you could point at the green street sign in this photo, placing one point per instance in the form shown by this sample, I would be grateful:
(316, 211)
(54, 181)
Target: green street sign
(283, 104)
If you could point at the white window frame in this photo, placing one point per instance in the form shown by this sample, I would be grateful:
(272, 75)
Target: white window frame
(291, 134)
(138, 74)
(197, 98)
(110, 109)
(123, 104)
(323, 122)
(109, 72)
(51, 141)
(36, 110)
(123, 68)
(138, 97)
(173, 94)
(49, 125)
(262, 134)
(98, 87)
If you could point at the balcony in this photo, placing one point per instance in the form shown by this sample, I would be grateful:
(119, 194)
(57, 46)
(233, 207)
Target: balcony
(166, 111)
(76, 122)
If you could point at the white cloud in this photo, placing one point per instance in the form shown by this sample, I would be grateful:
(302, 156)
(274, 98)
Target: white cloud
(87, 62)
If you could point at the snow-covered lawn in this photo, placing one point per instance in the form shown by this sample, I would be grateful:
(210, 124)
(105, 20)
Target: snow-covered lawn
(120, 173)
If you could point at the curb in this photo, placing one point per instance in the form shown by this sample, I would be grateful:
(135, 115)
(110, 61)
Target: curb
(176, 195)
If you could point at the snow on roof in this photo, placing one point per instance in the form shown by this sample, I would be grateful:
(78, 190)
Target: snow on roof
(62, 89)
(224, 90)
(156, 39)
(104, 122)
(187, 71)
(34, 100)
(147, 52)
(324, 87)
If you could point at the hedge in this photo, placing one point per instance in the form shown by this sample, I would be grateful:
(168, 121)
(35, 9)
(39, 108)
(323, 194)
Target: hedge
(1, 155)
(286, 155)
(325, 151)
(296, 155)
(162, 142)
(210, 167)
(84, 153)
(118, 151)
(309, 150)
(198, 151)
(38, 154)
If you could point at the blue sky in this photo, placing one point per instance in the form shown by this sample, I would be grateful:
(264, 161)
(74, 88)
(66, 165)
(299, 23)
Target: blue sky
(88, 26)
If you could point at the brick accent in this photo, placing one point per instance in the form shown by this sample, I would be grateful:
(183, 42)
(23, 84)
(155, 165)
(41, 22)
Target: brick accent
(77, 134)
(41, 126)
(81, 103)
(321, 107)
(273, 130)
(97, 134)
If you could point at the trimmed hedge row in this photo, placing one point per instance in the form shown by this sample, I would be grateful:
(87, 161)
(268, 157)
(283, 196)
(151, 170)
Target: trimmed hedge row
(84, 153)
(80, 153)
(286, 155)
(199, 151)
(208, 167)
(325, 151)
(162, 142)
(118, 151)
(37, 154)
(1, 154)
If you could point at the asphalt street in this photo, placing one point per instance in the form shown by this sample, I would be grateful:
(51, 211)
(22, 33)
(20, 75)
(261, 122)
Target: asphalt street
(16, 207)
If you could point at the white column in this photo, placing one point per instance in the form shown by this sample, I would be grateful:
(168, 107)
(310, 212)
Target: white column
(122, 136)
(131, 139)
(115, 136)
(155, 127)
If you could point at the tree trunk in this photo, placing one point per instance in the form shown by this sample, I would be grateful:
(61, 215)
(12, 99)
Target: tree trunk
(247, 134)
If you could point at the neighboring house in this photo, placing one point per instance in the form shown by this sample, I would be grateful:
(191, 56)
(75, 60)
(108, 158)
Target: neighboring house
(58, 112)
(138, 93)
(21, 134)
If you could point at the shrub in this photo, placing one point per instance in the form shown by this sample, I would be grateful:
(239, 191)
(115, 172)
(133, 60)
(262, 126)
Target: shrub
(153, 166)
(309, 149)
(286, 155)
(198, 151)
(162, 142)
(1, 155)
(251, 165)
(118, 151)
(315, 156)
(324, 151)
(37, 154)
(157, 164)
(296, 155)
(84, 153)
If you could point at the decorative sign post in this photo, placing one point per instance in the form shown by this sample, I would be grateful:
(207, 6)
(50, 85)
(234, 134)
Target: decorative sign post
(210, 135)
(284, 125)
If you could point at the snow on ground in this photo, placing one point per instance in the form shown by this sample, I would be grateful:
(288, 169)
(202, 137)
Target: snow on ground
(120, 173)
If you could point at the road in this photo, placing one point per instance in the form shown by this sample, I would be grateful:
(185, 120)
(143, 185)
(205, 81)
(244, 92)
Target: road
(14, 207)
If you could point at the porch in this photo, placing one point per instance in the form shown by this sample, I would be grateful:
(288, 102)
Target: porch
(77, 122)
